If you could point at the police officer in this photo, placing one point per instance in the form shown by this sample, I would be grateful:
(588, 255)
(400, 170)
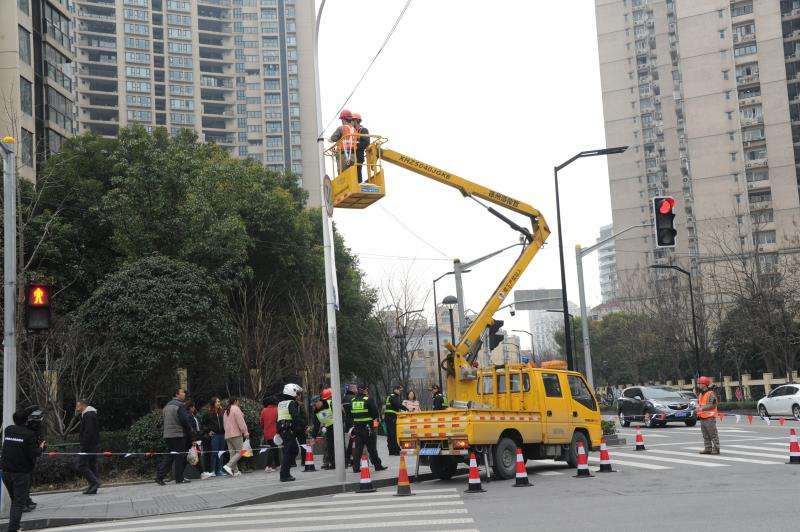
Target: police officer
(291, 425)
(439, 399)
(21, 447)
(347, 417)
(365, 422)
(394, 404)
(324, 414)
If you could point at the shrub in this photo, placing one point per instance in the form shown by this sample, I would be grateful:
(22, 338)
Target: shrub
(53, 470)
(741, 405)
(252, 416)
(609, 427)
(147, 433)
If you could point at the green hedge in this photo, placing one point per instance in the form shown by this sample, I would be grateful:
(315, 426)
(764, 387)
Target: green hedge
(739, 405)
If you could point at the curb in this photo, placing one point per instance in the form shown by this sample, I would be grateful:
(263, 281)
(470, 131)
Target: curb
(38, 524)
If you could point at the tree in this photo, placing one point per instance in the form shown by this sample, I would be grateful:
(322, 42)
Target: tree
(310, 338)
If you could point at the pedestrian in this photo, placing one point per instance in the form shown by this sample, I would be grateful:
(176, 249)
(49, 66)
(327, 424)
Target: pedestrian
(323, 411)
(439, 399)
(235, 434)
(394, 404)
(291, 424)
(347, 418)
(21, 447)
(86, 464)
(177, 433)
(269, 427)
(362, 143)
(707, 412)
(345, 139)
(214, 426)
(197, 439)
(410, 402)
(365, 424)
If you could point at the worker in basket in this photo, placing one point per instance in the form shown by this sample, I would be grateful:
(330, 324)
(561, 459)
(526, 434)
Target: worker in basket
(346, 139)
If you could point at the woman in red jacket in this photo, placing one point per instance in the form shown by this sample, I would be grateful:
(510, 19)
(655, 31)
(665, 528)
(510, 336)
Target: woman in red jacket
(269, 426)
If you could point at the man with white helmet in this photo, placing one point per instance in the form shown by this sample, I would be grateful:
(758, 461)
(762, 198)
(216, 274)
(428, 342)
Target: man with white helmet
(290, 425)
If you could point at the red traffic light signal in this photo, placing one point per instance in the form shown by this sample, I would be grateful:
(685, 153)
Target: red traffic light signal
(37, 307)
(663, 211)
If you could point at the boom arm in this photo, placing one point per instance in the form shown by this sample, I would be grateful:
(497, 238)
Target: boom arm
(462, 355)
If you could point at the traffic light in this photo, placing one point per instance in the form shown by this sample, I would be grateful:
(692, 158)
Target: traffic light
(663, 210)
(495, 338)
(37, 307)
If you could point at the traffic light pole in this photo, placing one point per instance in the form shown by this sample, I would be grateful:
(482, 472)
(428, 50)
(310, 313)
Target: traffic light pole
(579, 254)
(694, 316)
(9, 281)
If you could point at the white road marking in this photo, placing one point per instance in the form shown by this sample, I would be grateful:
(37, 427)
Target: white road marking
(643, 456)
(717, 457)
(365, 499)
(391, 493)
(727, 450)
(631, 464)
(550, 473)
(351, 526)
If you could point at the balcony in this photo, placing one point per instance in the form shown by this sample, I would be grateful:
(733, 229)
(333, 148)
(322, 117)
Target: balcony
(794, 13)
(760, 205)
(87, 42)
(756, 163)
(755, 121)
(752, 100)
(747, 80)
(739, 39)
(756, 185)
(82, 14)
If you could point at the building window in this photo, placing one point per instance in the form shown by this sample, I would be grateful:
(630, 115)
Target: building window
(26, 147)
(733, 156)
(179, 48)
(57, 25)
(179, 5)
(137, 86)
(24, 45)
(26, 96)
(180, 33)
(744, 8)
(137, 29)
(725, 74)
(764, 237)
(721, 34)
(140, 116)
(747, 49)
(54, 141)
(137, 72)
(59, 109)
(24, 6)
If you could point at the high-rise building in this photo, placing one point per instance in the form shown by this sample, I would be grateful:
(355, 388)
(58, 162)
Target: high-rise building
(707, 94)
(607, 259)
(231, 70)
(36, 79)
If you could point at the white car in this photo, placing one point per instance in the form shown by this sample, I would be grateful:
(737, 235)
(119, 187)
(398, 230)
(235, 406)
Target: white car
(782, 401)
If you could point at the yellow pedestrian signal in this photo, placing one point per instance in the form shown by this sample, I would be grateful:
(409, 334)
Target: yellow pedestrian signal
(37, 307)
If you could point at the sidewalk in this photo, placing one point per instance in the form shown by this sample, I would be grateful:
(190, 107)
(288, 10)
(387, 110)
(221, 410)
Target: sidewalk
(139, 500)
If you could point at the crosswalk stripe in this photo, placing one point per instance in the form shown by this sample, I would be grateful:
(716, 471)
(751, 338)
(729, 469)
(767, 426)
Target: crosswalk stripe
(365, 499)
(645, 434)
(391, 493)
(671, 460)
(351, 526)
(777, 444)
(744, 453)
(716, 457)
(549, 473)
(214, 523)
(631, 464)
(758, 448)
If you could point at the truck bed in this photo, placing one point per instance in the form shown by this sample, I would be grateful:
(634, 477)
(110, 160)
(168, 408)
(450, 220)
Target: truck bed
(478, 427)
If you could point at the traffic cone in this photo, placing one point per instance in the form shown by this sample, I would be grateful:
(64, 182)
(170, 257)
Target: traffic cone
(365, 484)
(474, 481)
(605, 458)
(521, 480)
(309, 461)
(794, 448)
(749, 420)
(583, 462)
(782, 421)
(403, 484)
(639, 440)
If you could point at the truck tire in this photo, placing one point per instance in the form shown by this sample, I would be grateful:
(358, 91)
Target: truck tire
(443, 467)
(572, 454)
(505, 459)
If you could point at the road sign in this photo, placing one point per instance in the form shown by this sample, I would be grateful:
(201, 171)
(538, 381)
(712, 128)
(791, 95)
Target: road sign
(327, 187)
(546, 299)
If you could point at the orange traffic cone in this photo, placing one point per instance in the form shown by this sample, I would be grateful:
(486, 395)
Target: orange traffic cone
(794, 448)
(474, 485)
(605, 458)
(365, 484)
(309, 461)
(521, 480)
(403, 484)
(781, 421)
(639, 440)
(583, 462)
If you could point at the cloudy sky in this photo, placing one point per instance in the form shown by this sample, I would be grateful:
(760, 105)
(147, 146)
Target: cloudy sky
(497, 92)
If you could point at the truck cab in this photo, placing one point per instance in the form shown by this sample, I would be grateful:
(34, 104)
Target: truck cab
(543, 411)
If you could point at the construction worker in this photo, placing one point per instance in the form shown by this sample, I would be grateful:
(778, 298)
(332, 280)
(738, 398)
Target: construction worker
(439, 399)
(394, 404)
(291, 425)
(345, 139)
(707, 412)
(349, 394)
(361, 143)
(324, 414)
(365, 423)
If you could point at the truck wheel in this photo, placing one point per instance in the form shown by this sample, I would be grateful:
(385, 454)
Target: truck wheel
(505, 458)
(443, 467)
(572, 454)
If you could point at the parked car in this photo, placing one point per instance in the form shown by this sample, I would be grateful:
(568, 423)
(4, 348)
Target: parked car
(655, 406)
(782, 401)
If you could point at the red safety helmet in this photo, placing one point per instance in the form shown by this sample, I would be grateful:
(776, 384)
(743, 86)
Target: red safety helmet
(326, 394)
(356, 116)
(705, 381)
(345, 115)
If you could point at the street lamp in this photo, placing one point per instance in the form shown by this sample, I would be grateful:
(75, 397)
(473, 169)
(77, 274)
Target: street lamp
(694, 317)
(533, 347)
(571, 328)
(590, 153)
(450, 302)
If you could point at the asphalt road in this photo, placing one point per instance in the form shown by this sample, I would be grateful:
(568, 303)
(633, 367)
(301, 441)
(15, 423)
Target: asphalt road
(667, 487)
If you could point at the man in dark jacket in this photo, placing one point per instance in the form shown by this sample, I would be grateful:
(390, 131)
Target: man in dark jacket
(363, 142)
(347, 418)
(394, 404)
(178, 434)
(21, 447)
(86, 464)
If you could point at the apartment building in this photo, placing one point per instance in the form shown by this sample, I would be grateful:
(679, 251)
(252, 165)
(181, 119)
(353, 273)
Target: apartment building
(607, 260)
(707, 94)
(230, 70)
(36, 79)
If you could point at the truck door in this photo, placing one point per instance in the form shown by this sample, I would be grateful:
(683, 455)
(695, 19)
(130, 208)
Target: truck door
(584, 405)
(557, 409)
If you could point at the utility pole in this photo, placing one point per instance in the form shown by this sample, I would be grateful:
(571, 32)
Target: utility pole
(9, 281)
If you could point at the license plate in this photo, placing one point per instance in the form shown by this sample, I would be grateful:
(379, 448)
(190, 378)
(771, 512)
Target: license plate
(429, 451)
(680, 414)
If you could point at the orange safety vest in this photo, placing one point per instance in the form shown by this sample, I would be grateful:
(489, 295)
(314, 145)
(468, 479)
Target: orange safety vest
(349, 139)
(704, 399)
